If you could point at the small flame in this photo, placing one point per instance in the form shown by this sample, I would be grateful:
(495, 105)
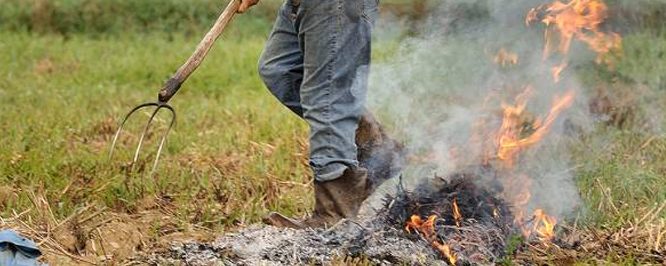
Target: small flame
(456, 212)
(446, 250)
(541, 225)
(544, 225)
(510, 141)
(427, 229)
(577, 19)
(505, 58)
(557, 71)
(417, 224)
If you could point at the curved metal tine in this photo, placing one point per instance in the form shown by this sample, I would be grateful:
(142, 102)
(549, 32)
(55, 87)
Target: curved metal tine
(122, 124)
(164, 136)
(143, 135)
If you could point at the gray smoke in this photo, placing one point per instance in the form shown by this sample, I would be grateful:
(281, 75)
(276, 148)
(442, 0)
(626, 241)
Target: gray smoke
(442, 81)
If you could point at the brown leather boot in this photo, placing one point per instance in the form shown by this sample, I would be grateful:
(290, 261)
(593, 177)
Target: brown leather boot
(383, 156)
(334, 200)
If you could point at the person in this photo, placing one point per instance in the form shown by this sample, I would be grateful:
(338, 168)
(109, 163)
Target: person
(316, 63)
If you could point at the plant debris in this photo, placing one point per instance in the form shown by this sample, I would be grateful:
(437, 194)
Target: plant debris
(485, 224)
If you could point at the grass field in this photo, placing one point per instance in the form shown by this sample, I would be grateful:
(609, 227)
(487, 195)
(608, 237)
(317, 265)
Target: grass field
(236, 153)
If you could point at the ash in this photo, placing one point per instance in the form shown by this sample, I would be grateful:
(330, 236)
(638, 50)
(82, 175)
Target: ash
(378, 237)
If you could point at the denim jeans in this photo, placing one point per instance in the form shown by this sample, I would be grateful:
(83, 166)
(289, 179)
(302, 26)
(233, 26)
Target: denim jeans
(316, 62)
(15, 250)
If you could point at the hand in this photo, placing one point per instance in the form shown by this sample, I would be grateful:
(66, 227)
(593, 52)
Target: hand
(246, 4)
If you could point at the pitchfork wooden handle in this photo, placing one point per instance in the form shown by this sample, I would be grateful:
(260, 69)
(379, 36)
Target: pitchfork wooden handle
(173, 84)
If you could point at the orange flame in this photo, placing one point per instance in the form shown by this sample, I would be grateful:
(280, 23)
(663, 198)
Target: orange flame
(505, 58)
(542, 226)
(578, 19)
(565, 22)
(557, 71)
(509, 138)
(575, 19)
(427, 229)
(456, 212)
(446, 250)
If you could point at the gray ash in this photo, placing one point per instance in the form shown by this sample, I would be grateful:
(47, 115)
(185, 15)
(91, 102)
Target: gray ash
(379, 240)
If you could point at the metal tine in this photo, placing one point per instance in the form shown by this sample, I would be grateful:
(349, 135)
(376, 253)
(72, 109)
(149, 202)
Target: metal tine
(174, 83)
(143, 135)
(164, 136)
(122, 124)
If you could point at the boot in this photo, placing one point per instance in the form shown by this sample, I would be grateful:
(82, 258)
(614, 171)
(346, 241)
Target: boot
(380, 154)
(334, 200)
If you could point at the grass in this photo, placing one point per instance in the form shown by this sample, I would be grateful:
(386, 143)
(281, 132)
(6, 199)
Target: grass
(624, 179)
(99, 18)
(236, 153)
(61, 97)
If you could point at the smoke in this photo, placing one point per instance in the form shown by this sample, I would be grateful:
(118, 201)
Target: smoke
(442, 93)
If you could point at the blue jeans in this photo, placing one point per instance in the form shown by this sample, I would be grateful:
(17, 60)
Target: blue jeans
(316, 62)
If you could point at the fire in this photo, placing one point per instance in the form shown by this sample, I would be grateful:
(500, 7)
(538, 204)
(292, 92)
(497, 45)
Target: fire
(505, 58)
(577, 19)
(574, 20)
(456, 212)
(557, 71)
(446, 250)
(566, 21)
(510, 138)
(427, 229)
(542, 226)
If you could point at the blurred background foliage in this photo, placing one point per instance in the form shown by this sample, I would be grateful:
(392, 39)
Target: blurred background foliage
(97, 17)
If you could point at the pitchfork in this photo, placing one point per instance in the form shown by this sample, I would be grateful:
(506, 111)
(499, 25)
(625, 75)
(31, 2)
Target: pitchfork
(173, 84)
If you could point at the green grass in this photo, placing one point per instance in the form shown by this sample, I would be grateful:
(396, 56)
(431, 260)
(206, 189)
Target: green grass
(60, 99)
(626, 159)
(624, 178)
(101, 17)
(104, 17)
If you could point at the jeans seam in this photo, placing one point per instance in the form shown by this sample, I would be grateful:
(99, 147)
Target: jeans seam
(364, 11)
(333, 54)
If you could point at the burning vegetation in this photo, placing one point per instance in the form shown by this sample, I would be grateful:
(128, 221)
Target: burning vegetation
(465, 222)
(469, 216)
(519, 130)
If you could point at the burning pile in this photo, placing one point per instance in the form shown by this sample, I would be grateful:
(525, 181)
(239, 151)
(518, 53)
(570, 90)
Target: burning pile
(461, 218)
(465, 222)
(519, 129)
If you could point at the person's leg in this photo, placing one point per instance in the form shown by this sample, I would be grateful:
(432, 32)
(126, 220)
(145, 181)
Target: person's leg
(335, 38)
(281, 68)
(281, 63)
